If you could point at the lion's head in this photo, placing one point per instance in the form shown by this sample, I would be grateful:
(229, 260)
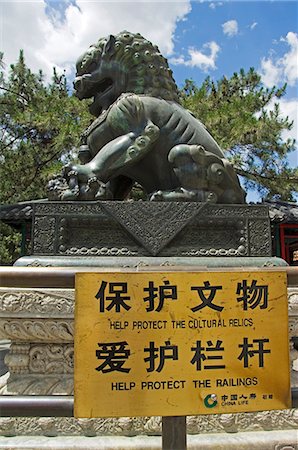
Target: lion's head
(126, 62)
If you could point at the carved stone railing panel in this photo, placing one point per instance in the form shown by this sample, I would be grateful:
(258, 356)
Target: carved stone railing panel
(293, 333)
(37, 303)
(131, 426)
(36, 330)
(39, 323)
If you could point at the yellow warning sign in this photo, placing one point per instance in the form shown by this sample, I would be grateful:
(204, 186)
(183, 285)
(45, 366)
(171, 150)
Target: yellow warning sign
(180, 343)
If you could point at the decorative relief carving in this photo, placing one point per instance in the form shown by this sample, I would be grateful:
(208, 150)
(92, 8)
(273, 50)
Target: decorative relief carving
(93, 251)
(293, 326)
(44, 235)
(37, 263)
(58, 208)
(293, 362)
(153, 224)
(244, 211)
(37, 330)
(293, 311)
(259, 238)
(51, 302)
(293, 332)
(87, 236)
(293, 301)
(212, 252)
(112, 229)
(17, 360)
(41, 359)
(286, 447)
(38, 384)
(198, 239)
(50, 359)
(232, 423)
(126, 426)
(98, 208)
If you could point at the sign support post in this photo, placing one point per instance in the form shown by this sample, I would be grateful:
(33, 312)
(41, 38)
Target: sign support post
(174, 433)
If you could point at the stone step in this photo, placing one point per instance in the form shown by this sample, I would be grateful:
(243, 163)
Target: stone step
(259, 440)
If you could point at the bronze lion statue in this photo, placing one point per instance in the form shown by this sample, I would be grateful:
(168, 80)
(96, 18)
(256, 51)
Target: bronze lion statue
(141, 133)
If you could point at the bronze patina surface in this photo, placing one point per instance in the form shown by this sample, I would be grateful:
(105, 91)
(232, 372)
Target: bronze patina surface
(141, 133)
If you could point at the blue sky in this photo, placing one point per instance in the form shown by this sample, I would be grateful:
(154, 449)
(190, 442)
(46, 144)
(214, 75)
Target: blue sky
(199, 38)
(259, 29)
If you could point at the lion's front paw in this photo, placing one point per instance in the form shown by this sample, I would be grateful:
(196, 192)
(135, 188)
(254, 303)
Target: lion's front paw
(93, 185)
(70, 194)
(104, 193)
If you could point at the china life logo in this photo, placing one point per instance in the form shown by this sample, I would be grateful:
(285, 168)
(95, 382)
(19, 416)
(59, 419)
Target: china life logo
(210, 401)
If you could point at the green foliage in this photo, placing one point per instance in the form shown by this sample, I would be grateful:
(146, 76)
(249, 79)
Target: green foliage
(137, 193)
(10, 244)
(236, 112)
(40, 129)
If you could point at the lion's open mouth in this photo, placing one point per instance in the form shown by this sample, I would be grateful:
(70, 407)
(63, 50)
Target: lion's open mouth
(103, 85)
(101, 96)
(87, 87)
(101, 88)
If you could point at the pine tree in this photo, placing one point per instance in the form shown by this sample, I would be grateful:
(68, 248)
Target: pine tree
(236, 112)
(40, 127)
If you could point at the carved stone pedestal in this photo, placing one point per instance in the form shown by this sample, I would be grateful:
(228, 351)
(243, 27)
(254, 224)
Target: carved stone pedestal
(121, 234)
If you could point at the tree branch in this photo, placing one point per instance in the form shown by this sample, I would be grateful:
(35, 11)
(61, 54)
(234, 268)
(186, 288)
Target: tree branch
(257, 175)
(16, 138)
(14, 92)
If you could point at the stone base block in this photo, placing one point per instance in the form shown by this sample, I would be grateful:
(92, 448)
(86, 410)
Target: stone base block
(166, 229)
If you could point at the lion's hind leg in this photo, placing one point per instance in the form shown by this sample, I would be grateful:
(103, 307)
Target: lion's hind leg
(203, 176)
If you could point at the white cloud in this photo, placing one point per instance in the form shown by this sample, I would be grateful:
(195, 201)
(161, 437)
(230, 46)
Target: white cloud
(177, 60)
(230, 28)
(49, 41)
(253, 25)
(290, 59)
(199, 58)
(277, 70)
(214, 5)
(290, 108)
(202, 60)
(270, 72)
